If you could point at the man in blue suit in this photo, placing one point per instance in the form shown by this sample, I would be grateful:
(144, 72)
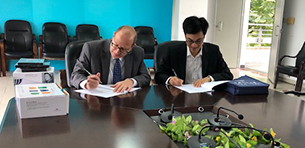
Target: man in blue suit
(193, 61)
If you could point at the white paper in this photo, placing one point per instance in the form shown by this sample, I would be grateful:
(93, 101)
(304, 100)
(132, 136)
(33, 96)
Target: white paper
(206, 87)
(104, 91)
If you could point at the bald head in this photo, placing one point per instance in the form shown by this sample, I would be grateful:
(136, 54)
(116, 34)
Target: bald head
(128, 32)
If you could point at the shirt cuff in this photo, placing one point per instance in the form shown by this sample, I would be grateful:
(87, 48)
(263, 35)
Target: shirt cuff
(135, 83)
(167, 81)
(212, 79)
(82, 84)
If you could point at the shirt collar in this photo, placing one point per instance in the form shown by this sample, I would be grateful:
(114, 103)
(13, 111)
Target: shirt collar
(121, 58)
(188, 53)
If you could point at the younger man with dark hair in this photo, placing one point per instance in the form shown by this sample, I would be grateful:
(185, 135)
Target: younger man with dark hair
(193, 61)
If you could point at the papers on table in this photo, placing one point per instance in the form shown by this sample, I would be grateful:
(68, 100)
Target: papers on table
(208, 86)
(104, 91)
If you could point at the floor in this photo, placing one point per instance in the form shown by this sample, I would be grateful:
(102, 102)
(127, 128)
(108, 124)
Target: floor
(7, 87)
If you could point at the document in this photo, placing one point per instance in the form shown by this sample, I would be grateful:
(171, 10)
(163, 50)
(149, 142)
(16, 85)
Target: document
(205, 87)
(104, 91)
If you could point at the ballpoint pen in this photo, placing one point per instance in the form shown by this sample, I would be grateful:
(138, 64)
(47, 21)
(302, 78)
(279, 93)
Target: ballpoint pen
(174, 72)
(90, 74)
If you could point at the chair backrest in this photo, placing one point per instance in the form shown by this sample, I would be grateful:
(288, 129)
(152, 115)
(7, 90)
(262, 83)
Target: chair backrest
(300, 56)
(18, 36)
(146, 39)
(55, 37)
(72, 53)
(87, 32)
(161, 50)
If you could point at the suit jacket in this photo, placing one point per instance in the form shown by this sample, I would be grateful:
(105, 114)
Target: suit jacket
(95, 57)
(212, 63)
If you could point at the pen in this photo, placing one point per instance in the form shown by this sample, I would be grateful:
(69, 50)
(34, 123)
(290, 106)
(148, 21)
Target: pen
(174, 72)
(90, 74)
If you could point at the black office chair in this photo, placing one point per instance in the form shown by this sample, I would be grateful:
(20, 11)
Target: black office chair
(298, 70)
(161, 50)
(146, 39)
(17, 42)
(87, 32)
(72, 53)
(53, 41)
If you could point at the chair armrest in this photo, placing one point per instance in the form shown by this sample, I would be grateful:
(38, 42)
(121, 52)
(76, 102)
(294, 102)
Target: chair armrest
(69, 38)
(74, 38)
(63, 78)
(302, 66)
(34, 46)
(285, 56)
(156, 41)
(40, 46)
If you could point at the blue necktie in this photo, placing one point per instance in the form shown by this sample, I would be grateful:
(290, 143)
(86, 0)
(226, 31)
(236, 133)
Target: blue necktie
(117, 71)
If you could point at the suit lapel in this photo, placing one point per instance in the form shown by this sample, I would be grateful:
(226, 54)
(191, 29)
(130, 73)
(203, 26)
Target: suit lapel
(128, 65)
(181, 61)
(204, 61)
(105, 59)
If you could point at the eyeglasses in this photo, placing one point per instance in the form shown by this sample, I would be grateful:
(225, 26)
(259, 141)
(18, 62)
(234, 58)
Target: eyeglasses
(190, 41)
(122, 50)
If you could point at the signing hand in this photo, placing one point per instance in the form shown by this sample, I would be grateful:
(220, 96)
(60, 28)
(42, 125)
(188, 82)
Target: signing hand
(93, 81)
(122, 86)
(198, 82)
(175, 81)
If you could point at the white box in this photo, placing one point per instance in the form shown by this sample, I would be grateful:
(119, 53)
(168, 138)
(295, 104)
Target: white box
(33, 77)
(41, 100)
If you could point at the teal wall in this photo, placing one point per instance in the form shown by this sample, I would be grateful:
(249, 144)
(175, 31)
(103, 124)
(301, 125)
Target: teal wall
(108, 15)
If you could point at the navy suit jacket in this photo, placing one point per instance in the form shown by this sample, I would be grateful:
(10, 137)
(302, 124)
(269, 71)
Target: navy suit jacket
(212, 63)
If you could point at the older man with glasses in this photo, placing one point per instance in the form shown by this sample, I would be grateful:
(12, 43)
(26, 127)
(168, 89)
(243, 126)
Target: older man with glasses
(116, 61)
(193, 61)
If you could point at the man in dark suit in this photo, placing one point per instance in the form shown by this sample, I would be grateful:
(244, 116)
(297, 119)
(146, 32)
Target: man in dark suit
(193, 61)
(117, 61)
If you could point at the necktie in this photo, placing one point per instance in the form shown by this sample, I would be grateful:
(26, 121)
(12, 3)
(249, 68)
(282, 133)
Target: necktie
(117, 71)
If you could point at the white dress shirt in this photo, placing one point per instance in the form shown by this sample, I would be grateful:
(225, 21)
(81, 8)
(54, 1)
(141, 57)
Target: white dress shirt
(193, 70)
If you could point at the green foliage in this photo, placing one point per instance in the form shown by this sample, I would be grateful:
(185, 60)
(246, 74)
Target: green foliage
(262, 11)
(181, 129)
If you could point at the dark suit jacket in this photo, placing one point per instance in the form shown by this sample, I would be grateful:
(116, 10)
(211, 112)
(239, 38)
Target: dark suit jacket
(212, 63)
(95, 57)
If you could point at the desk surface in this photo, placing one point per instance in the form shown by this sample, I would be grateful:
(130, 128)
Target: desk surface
(121, 122)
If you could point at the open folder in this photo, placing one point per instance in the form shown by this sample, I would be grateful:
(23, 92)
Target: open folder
(104, 91)
(205, 87)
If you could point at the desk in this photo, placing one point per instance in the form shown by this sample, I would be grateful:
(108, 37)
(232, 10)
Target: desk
(120, 121)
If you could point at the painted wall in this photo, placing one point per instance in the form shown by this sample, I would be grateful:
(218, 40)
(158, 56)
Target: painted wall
(293, 36)
(108, 15)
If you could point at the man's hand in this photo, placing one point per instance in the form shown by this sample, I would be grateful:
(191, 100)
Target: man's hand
(198, 82)
(175, 81)
(93, 81)
(122, 86)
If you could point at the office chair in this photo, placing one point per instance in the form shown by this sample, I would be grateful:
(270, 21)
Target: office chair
(87, 32)
(53, 41)
(72, 53)
(17, 42)
(146, 39)
(161, 50)
(297, 70)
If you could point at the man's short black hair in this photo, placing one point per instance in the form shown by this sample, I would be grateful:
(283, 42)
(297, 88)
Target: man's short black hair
(194, 24)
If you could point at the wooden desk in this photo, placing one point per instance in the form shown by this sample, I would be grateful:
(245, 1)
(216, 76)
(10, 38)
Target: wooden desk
(120, 121)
